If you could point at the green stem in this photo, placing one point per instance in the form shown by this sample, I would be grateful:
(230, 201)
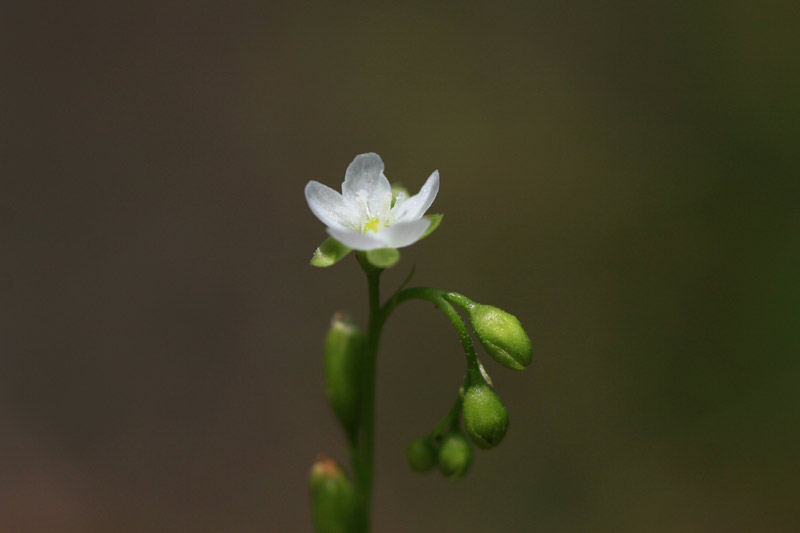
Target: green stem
(437, 298)
(449, 421)
(363, 448)
(460, 299)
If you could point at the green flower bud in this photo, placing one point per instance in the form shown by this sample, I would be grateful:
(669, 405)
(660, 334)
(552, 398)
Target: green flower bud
(455, 455)
(333, 501)
(421, 455)
(398, 189)
(485, 418)
(344, 348)
(501, 335)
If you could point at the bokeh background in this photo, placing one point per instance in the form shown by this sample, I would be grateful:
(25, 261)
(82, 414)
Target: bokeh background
(622, 176)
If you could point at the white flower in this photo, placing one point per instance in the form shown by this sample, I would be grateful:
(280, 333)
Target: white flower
(363, 217)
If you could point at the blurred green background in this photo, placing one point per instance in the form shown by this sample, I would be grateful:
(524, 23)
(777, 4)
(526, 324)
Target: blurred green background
(622, 176)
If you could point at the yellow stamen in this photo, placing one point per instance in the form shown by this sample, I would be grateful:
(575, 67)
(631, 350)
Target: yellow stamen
(372, 225)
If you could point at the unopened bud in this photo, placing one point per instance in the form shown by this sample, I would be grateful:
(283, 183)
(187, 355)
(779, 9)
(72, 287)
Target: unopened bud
(344, 348)
(421, 455)
(485, 418)
(333, 501)
(455, 455)
(398, 190)
(501, 335)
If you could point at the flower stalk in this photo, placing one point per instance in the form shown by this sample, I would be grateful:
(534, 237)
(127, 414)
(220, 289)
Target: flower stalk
(364, 446)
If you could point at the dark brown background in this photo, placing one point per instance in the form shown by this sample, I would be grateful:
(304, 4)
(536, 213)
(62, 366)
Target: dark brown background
(622, 176)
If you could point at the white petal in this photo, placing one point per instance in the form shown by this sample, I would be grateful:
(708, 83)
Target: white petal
(403, 233)
(415, 207)
(330, 207)
(365, 174)
(356, 240)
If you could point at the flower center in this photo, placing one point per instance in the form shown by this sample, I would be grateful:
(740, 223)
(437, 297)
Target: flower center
(372, 224)
(380, 216)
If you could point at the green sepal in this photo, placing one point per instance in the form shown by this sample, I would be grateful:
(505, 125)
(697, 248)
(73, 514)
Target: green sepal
(383, 257)
(329, 253)
(436, 219)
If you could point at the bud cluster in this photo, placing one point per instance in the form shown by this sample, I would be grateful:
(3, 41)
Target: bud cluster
(485, 423)
(485, 418)
(451, 452)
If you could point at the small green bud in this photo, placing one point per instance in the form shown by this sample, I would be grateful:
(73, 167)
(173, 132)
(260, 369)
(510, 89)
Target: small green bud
(501, 335)
(421, 455)
(485, 418)
(455, 455)
(344, 348)
(398, 189)
(333, 501)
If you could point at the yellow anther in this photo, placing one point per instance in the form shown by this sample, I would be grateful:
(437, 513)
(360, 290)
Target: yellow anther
(372, 225)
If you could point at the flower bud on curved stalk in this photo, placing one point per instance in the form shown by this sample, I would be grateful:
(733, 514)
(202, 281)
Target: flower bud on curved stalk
(499, 332)
(455, 455)
(485, 418)
(333, 501)
(344, 348)
(421, 455)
